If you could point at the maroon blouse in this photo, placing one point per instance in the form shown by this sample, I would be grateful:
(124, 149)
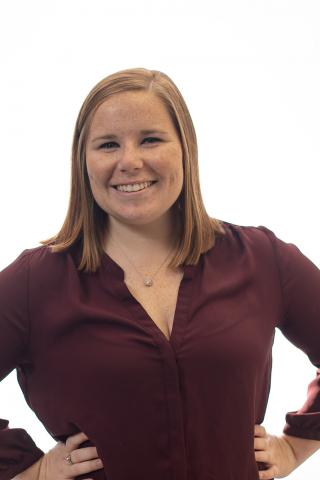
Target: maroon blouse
(89, 358)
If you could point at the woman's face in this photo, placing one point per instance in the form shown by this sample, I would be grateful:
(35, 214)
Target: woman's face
(118, 152)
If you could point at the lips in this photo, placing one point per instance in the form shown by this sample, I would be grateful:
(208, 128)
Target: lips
(129, 193)
(133, 183)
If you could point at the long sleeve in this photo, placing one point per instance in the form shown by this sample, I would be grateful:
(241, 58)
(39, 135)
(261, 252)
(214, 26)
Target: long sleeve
(300, 324)
(17, 449)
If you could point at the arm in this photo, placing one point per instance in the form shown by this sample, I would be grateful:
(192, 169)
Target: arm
(17, 449)
(299, 283)
(310, 443)
(31, 473)
(302, 448)
(299, 321)
(20, 458)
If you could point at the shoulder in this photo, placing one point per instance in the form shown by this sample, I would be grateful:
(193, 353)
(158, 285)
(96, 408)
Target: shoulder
(41, 256)
(37, 261)
(242, 246)
(261, 242)
(247, 236)
(249, 244)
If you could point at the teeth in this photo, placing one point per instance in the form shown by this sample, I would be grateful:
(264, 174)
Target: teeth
(135, 187)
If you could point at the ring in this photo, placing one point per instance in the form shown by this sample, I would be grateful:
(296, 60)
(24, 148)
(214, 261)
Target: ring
(68, 459)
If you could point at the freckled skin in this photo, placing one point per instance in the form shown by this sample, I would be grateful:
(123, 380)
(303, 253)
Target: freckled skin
(133, 156)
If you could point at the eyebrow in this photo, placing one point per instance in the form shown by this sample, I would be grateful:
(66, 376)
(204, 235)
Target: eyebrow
(111, 135)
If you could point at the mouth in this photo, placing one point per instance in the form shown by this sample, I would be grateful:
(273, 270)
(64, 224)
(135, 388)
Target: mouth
(135, 192)
(134, 188)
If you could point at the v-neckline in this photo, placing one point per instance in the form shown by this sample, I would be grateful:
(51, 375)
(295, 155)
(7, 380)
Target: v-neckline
(155, 300)
(121, 290)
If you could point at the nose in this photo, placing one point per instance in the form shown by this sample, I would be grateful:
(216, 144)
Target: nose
(130, 158)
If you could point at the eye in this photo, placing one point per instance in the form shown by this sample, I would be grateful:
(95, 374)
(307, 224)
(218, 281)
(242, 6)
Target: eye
(109, 143)
(153, 138)
(104, 144)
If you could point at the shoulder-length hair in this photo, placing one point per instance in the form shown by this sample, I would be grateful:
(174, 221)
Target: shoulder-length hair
(86, 222)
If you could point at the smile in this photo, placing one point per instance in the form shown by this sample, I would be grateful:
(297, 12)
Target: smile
(134, 189)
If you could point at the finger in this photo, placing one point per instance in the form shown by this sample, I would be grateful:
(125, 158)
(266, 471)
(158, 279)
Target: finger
(260, 443)
(74, 441)
(83, 454)
(84, 467)
(268, 474)
(260, 431)
(262, 456)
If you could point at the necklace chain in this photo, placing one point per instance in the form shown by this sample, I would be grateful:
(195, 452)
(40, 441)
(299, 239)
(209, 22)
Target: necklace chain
(147, 281)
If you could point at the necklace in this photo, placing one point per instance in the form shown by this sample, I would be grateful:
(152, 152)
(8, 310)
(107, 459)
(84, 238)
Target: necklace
(147, 281)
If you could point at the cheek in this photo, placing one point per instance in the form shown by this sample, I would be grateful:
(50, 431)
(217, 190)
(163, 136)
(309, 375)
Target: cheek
(91, 176)
(95, 176)
(176, 176)
(174, 179)
(174, 167)
(89, 168)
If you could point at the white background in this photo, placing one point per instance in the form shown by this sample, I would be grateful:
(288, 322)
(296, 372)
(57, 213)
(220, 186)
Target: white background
(249, 72)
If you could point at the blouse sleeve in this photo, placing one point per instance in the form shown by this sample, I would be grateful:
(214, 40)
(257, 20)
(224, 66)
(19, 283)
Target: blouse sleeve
(300, 324)
(17, 449)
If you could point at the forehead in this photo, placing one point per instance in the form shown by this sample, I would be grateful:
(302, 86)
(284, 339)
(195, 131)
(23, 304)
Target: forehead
(131, 109)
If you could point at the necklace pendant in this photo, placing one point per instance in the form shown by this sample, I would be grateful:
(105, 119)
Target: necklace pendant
(148, 282)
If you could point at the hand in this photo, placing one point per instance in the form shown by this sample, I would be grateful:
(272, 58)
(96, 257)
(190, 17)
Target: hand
(85, 460)
(275, 452)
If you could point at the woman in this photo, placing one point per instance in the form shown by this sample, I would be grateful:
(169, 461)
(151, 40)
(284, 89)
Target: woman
(142, 332)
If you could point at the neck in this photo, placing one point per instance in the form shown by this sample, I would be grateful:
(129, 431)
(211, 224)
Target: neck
(145, 242)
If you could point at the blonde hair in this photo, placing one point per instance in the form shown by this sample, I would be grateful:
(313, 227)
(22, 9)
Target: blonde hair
(86, 221)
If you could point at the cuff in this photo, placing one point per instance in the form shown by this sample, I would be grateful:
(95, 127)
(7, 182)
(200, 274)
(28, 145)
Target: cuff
(17, 451)
(303, 425)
